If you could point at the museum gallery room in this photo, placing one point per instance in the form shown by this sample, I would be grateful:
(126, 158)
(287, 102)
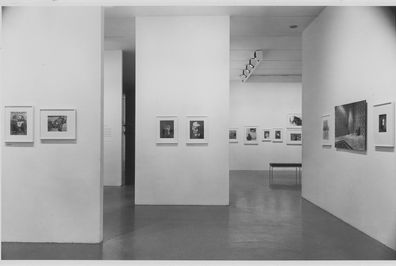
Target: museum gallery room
(198, 132)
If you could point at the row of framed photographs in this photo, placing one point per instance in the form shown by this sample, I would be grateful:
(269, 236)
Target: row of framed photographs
(350, 126)
(197, 129)
(54, 124)
(252, 135)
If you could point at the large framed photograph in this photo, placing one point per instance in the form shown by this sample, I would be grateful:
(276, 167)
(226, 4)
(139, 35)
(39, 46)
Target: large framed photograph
(266, 134)
(293, 136)
(197, 129)
(19, 123)
(277, 135)
(326, 130)
(384, 124)
(58, 124)
(351, 126)
(167, 129)
(251, 137)
(233, 135)
(294, 121)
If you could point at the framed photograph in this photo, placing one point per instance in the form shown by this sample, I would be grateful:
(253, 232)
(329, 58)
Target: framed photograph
(293, 136)
(351, 126)
(266, 134)
(18, 124)
(294, 120)
(384, 124)
(167, 129)
(251, 137)
(197, 129)
(326, 130)
(277, 135)
(58, 124)
(233, 135)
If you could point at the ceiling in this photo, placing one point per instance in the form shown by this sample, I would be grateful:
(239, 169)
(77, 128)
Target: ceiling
(252, 28)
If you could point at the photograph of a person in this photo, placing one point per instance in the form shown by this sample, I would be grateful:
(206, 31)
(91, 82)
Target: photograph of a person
(233, 135)
(266, 135)
(197, 129)
(277, 135)
(351, 126)
(294, 120)
(167, 129)
(57, 123)
(18, 123)
(382, 123)
(325, 129)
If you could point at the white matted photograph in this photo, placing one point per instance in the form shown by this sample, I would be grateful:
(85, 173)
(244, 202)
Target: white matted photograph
(251, 137)
(293, 136)
(266, 134)
(294, 120)
(19, 124)
(277, 135)
(58, 124)
(167, 129)
(233, 134)
(197, 129)
(384, 124)
(326, 141)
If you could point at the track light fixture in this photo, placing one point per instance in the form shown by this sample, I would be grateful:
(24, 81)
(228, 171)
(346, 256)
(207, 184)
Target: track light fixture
(252, 65)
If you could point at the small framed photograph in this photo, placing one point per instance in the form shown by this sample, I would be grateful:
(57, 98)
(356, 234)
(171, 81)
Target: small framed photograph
(266, 134)
(58, 124)
(294, 120)
(251, 137)
(167, 129)
(384, 124)
(197, 129)
(233, 135)
(293, 136)
(326, 141)
(277, 135)
(18, 124)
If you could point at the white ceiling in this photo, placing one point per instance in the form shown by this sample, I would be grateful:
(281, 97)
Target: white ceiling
(252, 28)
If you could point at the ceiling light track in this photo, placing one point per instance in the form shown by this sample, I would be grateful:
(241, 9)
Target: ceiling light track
(252, 65)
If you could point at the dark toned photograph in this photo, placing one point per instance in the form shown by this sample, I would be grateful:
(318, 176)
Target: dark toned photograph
(251, 134)
(232, 135)
(197, 129)
(325, 130)
(295, 136)
(351, 126)
(295, 120)
(382, 123)
(57, 123)
(167, 129)
(18, 123)
(278, 134)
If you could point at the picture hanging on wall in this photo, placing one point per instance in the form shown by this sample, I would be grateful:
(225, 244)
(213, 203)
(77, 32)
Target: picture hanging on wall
(197, 129)
(266, 134)
(18, 124)
(384, 124)
(233, 135)
(293, 136)
(294, 120)
(251, 137)
(277, 135)
(58, 124)
(351, 126)
(167, 129)
(326, 130)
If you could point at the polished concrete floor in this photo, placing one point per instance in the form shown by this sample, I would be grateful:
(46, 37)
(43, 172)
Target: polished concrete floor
(262, 223)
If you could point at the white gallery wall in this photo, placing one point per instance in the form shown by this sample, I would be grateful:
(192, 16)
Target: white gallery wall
(265, 105)
(52, 190)
(112, 118)
(349, 54)
(182, 68)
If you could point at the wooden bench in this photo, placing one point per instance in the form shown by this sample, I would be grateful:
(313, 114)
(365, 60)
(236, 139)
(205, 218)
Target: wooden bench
(298, 167)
